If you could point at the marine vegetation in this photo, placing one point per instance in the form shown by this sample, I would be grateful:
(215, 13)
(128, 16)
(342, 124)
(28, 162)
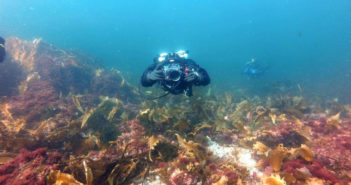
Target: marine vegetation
(64, 119)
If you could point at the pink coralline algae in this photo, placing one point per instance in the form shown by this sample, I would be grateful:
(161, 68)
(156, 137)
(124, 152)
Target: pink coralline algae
(132, 138)
(180, 177)
(329, 162)
(337, 155)
(216, 172)
(316, 168)
(285, 134)
(39, 96)
(319, 170)
(29, 168)
(183, 177)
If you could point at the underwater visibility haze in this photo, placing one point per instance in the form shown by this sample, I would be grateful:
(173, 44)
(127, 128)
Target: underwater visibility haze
(304, 41)
(274, 106)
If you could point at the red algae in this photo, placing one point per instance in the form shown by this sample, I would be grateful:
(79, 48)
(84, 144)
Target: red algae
(180, 177)
(316, 168)
(319, 170)
(132, 140)
(29, 167)
(332, 147)
(39, 96)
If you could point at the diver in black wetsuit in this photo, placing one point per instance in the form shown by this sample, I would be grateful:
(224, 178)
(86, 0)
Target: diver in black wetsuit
(175, 73)
(2, 49)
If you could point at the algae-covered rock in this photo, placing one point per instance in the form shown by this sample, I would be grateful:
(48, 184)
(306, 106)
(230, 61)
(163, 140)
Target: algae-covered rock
(104, 118)
(68, 71)
(38, 82)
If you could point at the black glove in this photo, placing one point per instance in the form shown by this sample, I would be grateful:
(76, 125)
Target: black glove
(192, 77)
(156, 74)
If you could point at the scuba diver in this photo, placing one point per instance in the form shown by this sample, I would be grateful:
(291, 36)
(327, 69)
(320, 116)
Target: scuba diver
(175, 73)
(2, 49)
(253, 69)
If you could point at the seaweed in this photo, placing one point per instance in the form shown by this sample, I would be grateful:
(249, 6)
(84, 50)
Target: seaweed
(108, 133)
(59, 178)
(29, 167)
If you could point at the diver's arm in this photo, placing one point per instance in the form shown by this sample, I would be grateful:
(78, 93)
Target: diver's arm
(203, 78)
(144, 78)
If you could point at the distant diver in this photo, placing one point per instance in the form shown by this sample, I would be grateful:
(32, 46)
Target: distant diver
(175, 73)
(2, 49)
(253, 69)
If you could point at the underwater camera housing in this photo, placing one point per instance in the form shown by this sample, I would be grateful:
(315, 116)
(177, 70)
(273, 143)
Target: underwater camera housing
(172, 72)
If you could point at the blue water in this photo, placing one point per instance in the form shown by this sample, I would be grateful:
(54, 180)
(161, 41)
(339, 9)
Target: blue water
(304, 41)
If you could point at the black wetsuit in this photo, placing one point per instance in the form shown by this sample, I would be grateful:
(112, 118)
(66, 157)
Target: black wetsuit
(180, 86)
(2, 49)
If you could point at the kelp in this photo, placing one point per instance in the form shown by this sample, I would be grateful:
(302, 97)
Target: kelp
(59, 178)
(305, 152)
(88, 173)
(274, 180)
(288, 178)
(23, 51)
(6, 157)
(103, 118)
(292, 106)
(161, 150)
(222, 181)
(261, 148)
(77, 103)
(12, 124)
(334, 121)
(125, 170)
(315, 181)
(276, 157)
(86, 116)
(192, 149)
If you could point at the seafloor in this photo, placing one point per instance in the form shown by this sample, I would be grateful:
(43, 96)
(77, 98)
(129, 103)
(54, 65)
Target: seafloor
(65, 119)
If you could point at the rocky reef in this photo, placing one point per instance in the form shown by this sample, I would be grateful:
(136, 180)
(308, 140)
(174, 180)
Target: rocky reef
(66, 119)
